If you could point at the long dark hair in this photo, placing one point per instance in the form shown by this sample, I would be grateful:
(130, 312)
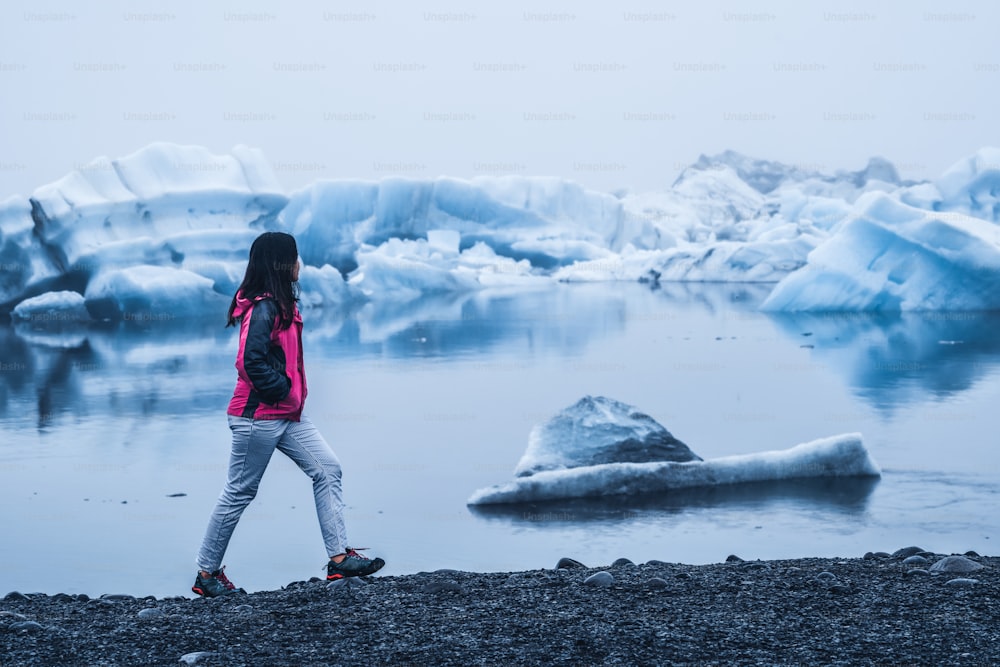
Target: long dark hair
(273, 257)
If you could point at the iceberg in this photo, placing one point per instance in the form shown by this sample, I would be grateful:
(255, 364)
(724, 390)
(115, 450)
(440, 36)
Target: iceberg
(727, 217)
(603, 447)
(597, 430)
(51, 310)
(839, 456)
(892, 257)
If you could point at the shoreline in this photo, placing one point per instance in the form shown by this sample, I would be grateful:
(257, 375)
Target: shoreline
(877, 609)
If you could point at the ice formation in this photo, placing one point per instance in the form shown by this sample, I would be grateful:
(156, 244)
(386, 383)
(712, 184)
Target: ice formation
(862, 240)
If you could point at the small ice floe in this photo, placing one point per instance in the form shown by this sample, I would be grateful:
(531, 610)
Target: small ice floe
(601, 447)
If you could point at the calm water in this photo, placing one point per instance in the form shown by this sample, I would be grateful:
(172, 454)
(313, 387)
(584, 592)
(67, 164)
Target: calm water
(428, 401)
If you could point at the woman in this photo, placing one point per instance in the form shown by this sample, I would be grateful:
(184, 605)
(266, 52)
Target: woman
(265, 414)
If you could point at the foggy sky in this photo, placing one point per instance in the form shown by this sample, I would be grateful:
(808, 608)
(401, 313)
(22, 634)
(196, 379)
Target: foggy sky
(611, 95)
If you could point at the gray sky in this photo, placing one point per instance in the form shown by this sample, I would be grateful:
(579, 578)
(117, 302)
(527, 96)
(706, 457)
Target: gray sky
(608, 94)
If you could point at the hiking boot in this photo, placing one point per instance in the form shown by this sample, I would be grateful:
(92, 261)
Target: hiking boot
(214, 585)
(353, 565)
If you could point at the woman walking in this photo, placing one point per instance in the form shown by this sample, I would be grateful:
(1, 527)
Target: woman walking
(265, 414)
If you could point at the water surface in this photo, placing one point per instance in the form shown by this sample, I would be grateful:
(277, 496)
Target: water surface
(424, 402)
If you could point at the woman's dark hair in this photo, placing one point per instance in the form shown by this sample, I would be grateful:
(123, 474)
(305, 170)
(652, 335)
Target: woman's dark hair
(273, 257)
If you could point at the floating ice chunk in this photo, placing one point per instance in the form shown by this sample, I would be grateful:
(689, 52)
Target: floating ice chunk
(837, 456)
(403, 270)
(895, 257)
(595, 430)
(52, 309)
(324, 287)
(152, 294)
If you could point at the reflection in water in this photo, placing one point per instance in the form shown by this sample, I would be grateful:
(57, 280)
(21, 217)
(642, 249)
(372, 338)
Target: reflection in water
(183, 365)
(887, 356)
(846, 495)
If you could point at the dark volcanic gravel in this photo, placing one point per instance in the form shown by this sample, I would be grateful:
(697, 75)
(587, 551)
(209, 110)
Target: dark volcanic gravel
(874, 610)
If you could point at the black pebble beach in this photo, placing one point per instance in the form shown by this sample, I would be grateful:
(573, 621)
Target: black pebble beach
(872, 610)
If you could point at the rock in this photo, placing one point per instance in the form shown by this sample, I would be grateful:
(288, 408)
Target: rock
(569, 564)
(83, 597)
(623, 562)
(876, 555)
(961, 582)
(62, 597)
(955, 565)
(906, 552)
(732, 558)
(118, 597)
(915, 560)
(28, 626)
(601, 579)
(682, 575)
(657, 563)
(346, 584)
(971, 554)
(916, 571)
(243, 609)
(839, 588)
(196, 657)
(442, 586)
(15, 596)
(150, 613)
(656, 582)
(8, 616)
(598, 430)
(755, 565)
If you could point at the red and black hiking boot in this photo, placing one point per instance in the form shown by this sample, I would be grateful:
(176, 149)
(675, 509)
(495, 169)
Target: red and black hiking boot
(353, 565)
(214, 585)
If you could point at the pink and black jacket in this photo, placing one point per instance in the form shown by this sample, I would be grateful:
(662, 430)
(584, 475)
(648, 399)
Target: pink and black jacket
(272, 378)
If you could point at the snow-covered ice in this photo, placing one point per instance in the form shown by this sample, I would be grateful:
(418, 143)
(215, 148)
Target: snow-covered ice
(837, 456)
(848, 240)
(893, 257)
(52, 309)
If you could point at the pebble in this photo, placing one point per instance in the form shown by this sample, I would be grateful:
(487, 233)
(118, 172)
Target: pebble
(346, 584)
(915, 560)
(602, 579)
(956, 565)
(196, 657)
(682, 575)
(916, 570)
(15, 596)
(961, 582)
(441, 586)
(657, 563)
(149, 613)
(569, 564)
(62, 597)
(31, 626)
(826, 576)
(243, 609)
(905, 552)
(117, 596)
(656, 582)
(623, 562)
(11, 615)
(732, 558)
(877, 555)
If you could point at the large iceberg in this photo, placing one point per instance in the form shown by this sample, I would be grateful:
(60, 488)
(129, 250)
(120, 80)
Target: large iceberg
(727, 218)
(601, 447)
(892, 257)
(163, 207)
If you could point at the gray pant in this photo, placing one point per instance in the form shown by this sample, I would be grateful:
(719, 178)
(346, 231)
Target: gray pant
(254, 440)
